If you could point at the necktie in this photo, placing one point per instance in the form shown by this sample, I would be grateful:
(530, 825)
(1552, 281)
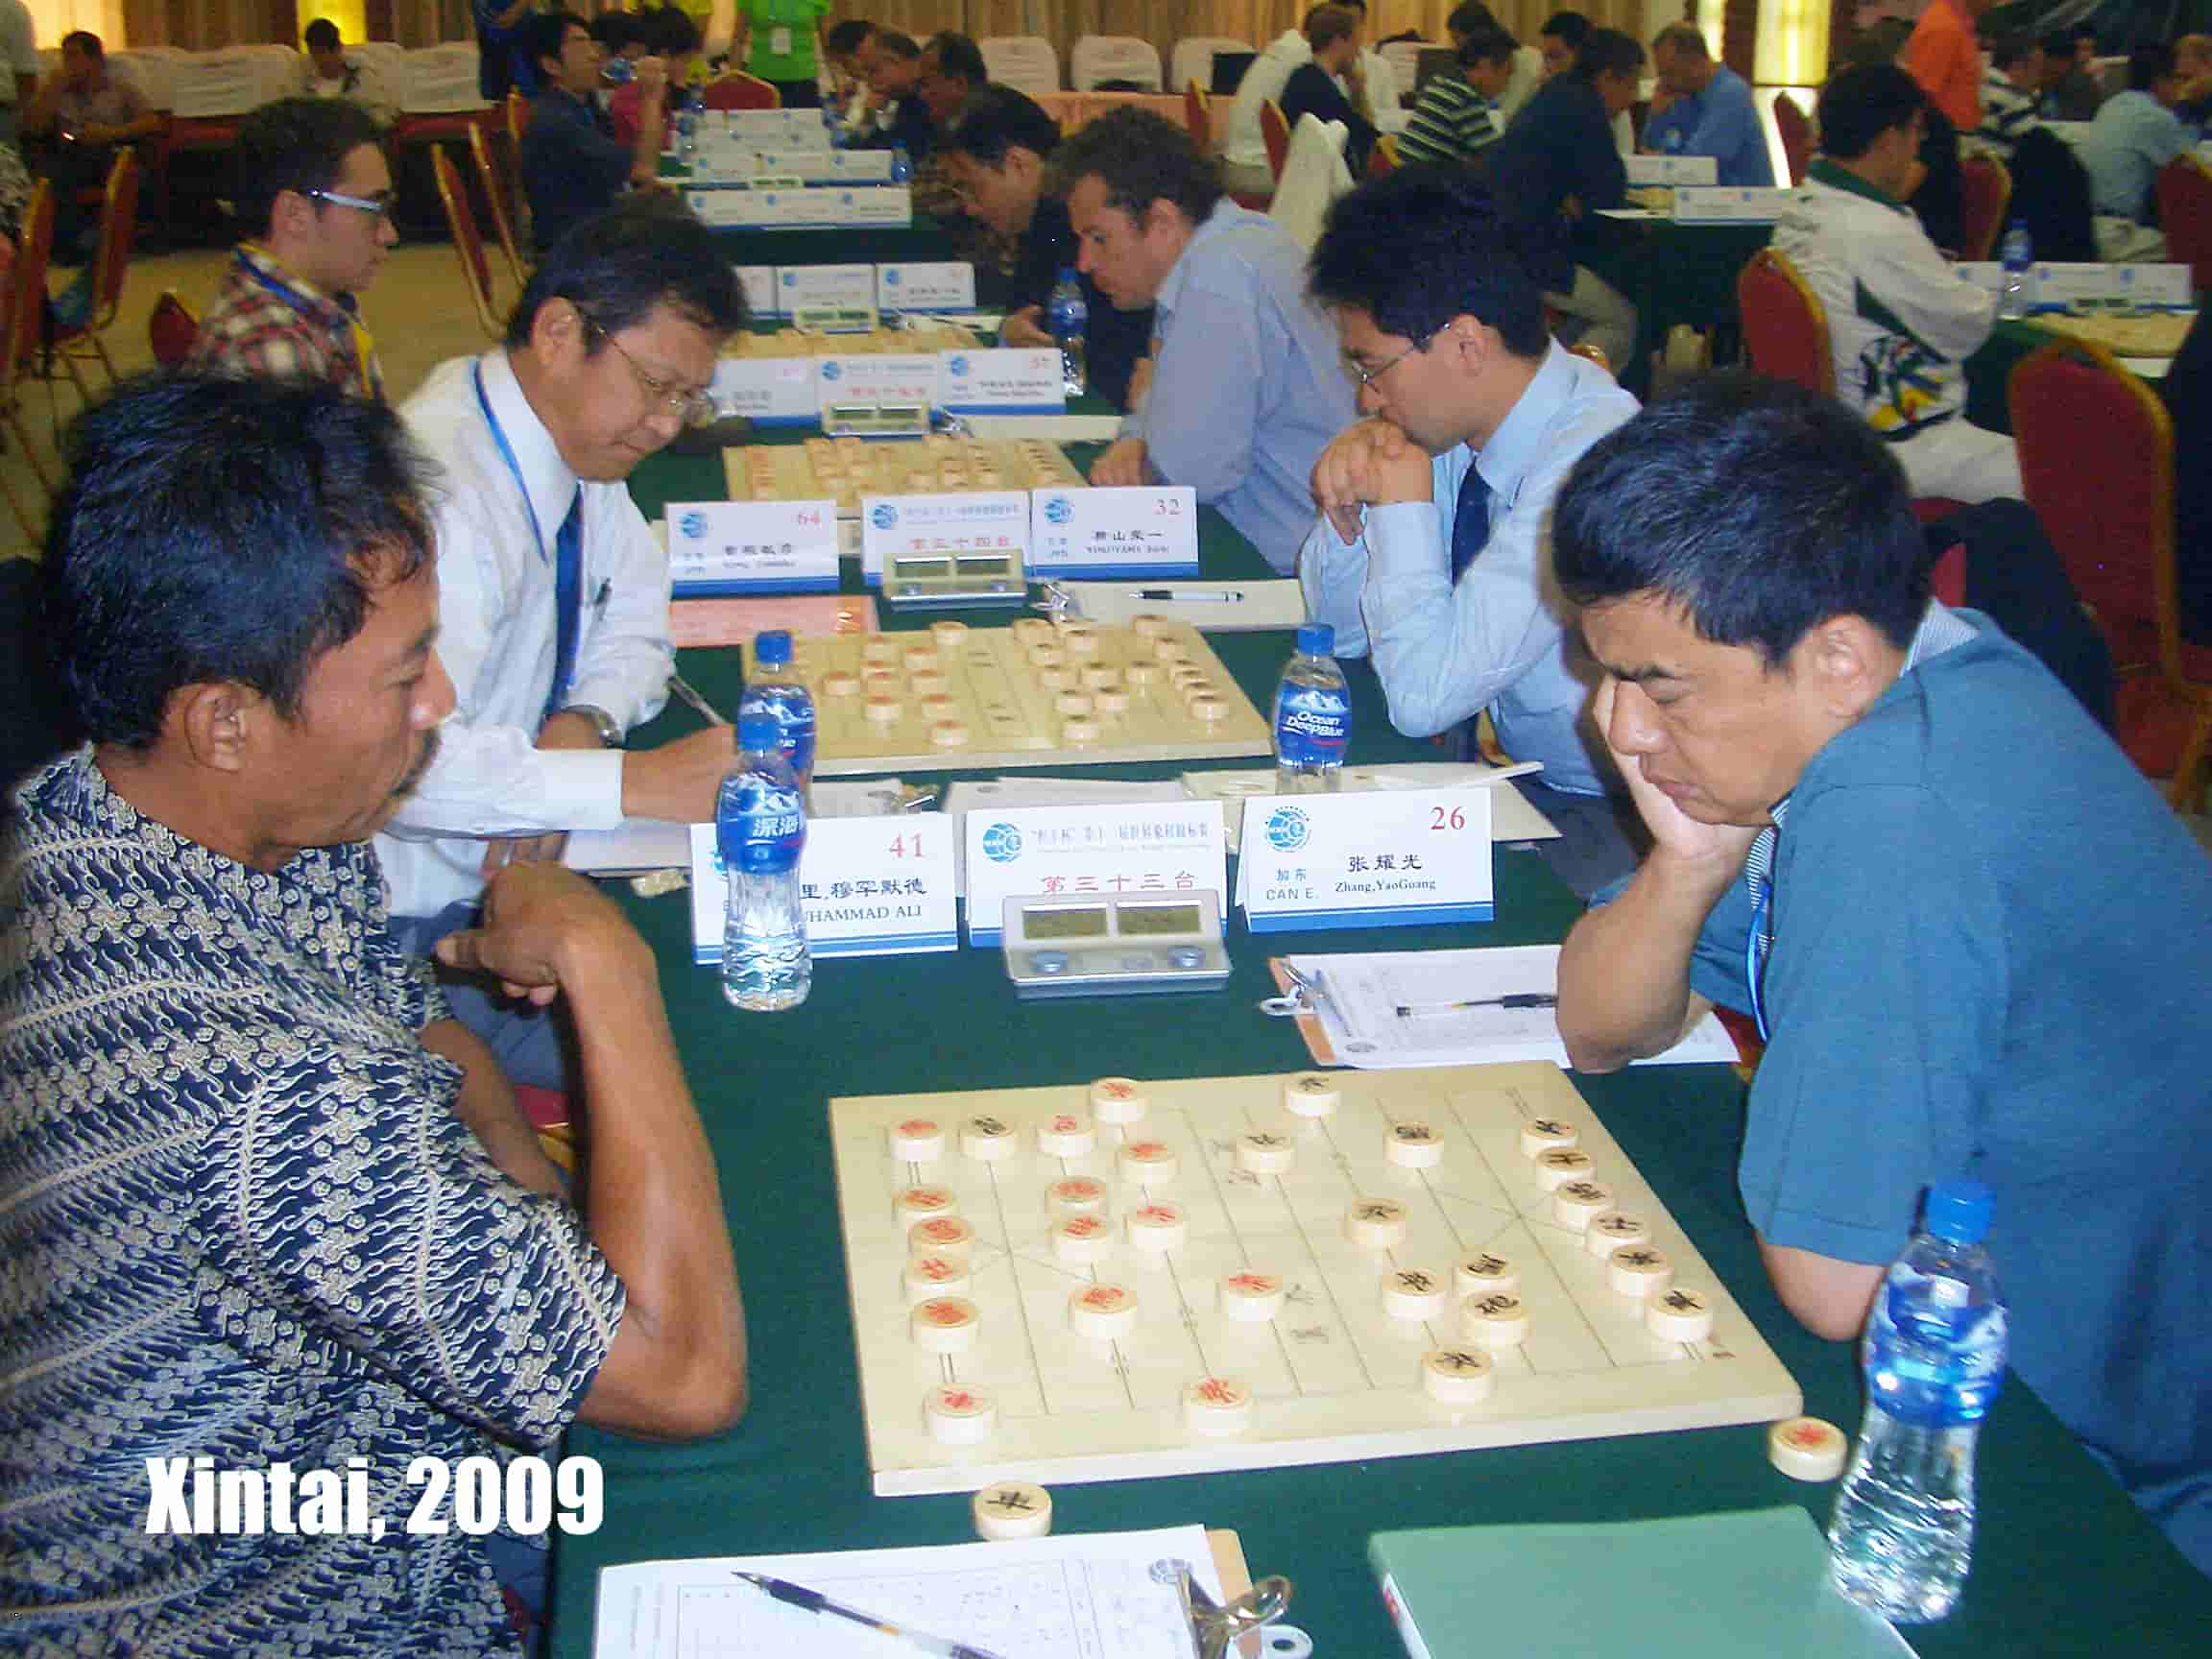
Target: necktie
(567, 602)
(1471, 523)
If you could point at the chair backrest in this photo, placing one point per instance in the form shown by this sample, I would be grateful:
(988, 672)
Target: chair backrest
(172, 330)
(1192, 59)
(1984, 191)
(467, 241)
(1796, 135)
(738, 90)
(118, 236)
(439, 80)
(1100, 57)
(493, 185)
(1785, 324)
(27, 282)
(152, 69)
(1025, 62)
(1274, 133)
(1405, 56)
(2184, 186)
(2097, 464)
(1198, 116)
(517, 119)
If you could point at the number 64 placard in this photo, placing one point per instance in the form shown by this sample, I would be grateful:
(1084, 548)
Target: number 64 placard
(870, 887)
(1365, 861)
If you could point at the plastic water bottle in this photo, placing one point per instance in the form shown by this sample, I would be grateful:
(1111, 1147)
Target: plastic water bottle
(617, 71)
(687, 127)
(2018, 253)
(759, 829)
(1313, 715)
(831, 125)
(777, 692)
(901, 165)
(1934, 1357)
(1070, 316)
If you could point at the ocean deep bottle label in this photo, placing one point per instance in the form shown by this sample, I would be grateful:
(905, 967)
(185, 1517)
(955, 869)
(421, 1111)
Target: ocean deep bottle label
(1313, 725)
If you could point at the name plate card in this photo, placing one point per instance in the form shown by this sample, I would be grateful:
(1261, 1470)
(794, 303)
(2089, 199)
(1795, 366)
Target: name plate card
(798, 285)
(870, 887)
(1645, 170)
(880, 204)
(759, 284)
(1154, 848)
(773, 129)
(1147, 530)
(994, 522)
(768, 391)
(885, 377)
(2066, 284)
(724, 547)
(827, 166)
(1725, 203)
(1380, 861)
(926, 285)
(1001, 381)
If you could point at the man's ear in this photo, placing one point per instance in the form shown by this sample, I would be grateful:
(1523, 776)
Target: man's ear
(1852, 661)
(218, 722)
(557, 333)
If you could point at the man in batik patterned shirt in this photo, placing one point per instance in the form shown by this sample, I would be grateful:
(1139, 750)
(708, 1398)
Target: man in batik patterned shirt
(312, 177)
(261, 1201)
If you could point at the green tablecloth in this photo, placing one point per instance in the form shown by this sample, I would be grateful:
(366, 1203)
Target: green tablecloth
(1674, 273)
(2066, 1564)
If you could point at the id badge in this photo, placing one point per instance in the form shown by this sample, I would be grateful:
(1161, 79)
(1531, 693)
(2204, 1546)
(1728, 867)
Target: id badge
(780, 42)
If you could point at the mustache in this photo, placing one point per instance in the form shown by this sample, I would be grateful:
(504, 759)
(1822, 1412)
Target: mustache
(414, 776)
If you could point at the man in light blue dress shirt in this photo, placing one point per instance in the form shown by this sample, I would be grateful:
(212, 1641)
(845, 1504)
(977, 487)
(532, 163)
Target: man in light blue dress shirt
(1434, 555)
(1708, 110)
(2136, 134)
(1243, 387)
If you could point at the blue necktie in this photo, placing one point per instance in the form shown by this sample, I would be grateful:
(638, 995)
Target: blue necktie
(1471, 523)
(567, 602)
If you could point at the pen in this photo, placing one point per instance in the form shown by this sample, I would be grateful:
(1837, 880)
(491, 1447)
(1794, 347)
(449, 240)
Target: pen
(814, 1601)
(1189, 596)
(683, 688)
(1518, 999)
(606, 592)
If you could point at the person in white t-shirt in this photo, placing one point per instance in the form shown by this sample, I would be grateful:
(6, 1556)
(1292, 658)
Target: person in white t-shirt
(19, 64)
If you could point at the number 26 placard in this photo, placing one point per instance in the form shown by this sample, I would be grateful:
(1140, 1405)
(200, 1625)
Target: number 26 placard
(1365, 861)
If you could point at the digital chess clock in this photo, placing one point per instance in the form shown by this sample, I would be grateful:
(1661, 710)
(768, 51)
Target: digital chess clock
(1114, 946)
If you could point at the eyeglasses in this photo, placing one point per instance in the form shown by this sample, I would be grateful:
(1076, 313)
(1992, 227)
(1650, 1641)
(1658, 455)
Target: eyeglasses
(374, 206)
(692, 408)
(1368, 377)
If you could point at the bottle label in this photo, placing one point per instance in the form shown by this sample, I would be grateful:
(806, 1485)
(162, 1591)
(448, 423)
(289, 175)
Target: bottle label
(1313, 725)
(1934, 1357)
(797, 742)
(766, 832)
(1070, 317)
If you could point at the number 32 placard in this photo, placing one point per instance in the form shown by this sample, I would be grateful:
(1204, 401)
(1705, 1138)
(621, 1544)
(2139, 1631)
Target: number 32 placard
(1365, 861)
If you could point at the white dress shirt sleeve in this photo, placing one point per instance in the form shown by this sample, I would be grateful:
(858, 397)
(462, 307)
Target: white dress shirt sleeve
(624, 655)
(1202, 415)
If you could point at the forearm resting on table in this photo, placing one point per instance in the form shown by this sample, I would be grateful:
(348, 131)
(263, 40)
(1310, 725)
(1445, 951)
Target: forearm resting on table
(487, 1104)
(677, 1368)
(1829, 1297)
(1625, 969)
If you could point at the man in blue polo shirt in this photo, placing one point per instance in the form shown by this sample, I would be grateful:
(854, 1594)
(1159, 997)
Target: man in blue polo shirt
(1971, 933)
(1704, 109)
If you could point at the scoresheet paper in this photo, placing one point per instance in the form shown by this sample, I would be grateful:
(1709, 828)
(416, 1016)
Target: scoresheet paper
(1072, 1597)
(1362, 996)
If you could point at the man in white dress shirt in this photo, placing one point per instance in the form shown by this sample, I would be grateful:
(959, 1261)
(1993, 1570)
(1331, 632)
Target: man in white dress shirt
(553, 596)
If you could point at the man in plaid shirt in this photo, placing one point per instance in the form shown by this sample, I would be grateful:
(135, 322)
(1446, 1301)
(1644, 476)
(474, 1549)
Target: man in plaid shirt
(312, 173)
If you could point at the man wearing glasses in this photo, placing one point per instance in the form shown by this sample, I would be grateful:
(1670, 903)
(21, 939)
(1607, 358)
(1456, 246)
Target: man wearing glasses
(553, 595)
(1434, 551)
(312, 175)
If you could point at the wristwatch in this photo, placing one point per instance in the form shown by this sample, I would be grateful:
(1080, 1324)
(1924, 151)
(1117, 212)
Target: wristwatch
(602, 722)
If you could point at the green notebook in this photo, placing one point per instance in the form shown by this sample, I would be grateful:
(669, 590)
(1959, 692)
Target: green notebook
(1747, 1585)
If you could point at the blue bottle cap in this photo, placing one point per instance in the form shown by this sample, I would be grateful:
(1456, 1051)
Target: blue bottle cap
(1957, 1212)
(760, 732)
(771, 647)
(1317, 639)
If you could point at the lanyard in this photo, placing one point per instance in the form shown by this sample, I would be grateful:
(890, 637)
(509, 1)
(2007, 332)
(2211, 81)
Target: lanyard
(1757, 943)
(569, 557)
(364, 347)
(507, 454)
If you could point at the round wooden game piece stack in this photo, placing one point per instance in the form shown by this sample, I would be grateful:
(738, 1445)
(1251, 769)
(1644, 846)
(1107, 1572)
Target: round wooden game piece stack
(1012, 1510)
(1561, 1165)
(986, 1138)
(1157, 1226)
(1639, 1271)
(839, 683)
(1217, 1405)
(921, 659)
(1251, 1297)
(935, 1275)
(921, 1203)
(1076, 1195)
(929, 684)
(1679, 1315)
(1142, 674)
(948, 733)
(1264, 1152)
(1209, 710)
(1613, 1230)
(1065, 1135)
(945, 1324)
(941, 1236)
(1031, 630)
(917, 1140)
(1118, 1101)
(960, 1415)
(1543, 1135)
(1376, 1223)
(1082, 1240)
(1103, 1312)
(1455, 1375)
(1485, 1273)
(1412, 1145)
(1574, 1203)
(880, 710)
(1310, 1094)
(1148, 1162)
(1498, 1320)
(1080, 641)
(1148, 625)
(1414, 1293)
(948, 634)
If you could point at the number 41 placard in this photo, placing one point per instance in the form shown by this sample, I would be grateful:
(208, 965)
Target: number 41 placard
(1368, 860)
(870, 887)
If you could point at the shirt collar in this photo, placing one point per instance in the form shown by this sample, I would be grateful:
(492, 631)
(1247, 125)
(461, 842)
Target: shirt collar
(552, 486)
(1226, 216)
(1520, 441)
(1825, 171)
(339, 308)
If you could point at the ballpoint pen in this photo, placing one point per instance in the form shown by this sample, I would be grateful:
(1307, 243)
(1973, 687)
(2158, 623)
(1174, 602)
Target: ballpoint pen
(1189, 596)
(1518, 999)
(814, 1601)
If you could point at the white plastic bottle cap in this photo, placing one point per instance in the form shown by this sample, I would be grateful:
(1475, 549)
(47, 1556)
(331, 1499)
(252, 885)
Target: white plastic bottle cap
(1148, 1162)
(1012, 1510)
(1485, 1273)
(1103, 1312)
(1679, 1315)
(1118, 1101)
(1414, 1292)
(936, 1275)
(1613, 1230)
(1412, 1145)
(1376, 1223)
(1807, 1448)
(1264, 1152)
(1541, 1134)
(940, 1236)
(986, 1138)
(1455, 1375)
(1498, 1320)
(917, 1140)
(1310, 1094)
(1065, 1135)
(1560, 1164)
(1215, 1406)
(1157, 1226)
(945, 1324)
(1252, 1297)
(1639, 1271)
(918, 1203)
(959, 1415)
(1576, 1202)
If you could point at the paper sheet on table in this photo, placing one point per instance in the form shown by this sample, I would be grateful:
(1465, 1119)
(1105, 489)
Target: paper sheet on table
(1040, 791)
(1361, 996)
(1254, 604)
(1054, 428)
(657, 843)
(1070, 1595)
(1512, 817)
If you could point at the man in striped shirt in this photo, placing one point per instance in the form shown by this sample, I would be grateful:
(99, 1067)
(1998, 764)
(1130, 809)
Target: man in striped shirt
(1455, 116)
(2010, 85)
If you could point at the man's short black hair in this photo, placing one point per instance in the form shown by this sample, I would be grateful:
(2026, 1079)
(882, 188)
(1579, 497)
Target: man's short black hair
(1142, 158)
(996, 119)
(297, 144)
(1607, 51)
(1486, 44)
(87, 42)
(222, 528)
(1421, 246)
(2011, 46)
(958, 55)
(1684, 37)
(1466, 19)
(543, 31)
(898, 45)
(843, 39)
(1861, 104)
(673, 33)
(618, 31)
(2148, 65)
(1572, 27)
(1759, 508)
(321, 36)
(617, 267)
